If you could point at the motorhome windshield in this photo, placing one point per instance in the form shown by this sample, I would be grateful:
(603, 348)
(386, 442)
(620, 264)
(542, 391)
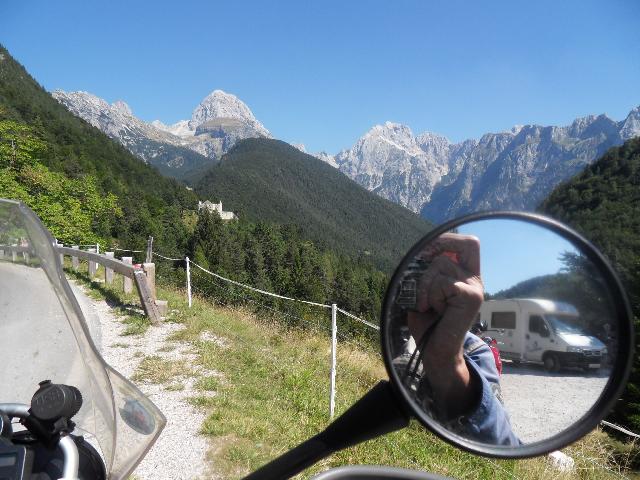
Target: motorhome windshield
(563, 323)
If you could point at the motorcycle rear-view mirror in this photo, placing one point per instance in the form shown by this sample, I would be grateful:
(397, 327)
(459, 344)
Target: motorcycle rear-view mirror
(552, 342)
(550, 352)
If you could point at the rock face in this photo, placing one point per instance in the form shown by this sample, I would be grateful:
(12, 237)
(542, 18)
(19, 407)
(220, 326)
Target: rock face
(508, 170)
(218, 105)
(392, 162)
(217, 123)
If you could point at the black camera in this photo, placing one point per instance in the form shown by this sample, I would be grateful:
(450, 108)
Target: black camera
(407, 296)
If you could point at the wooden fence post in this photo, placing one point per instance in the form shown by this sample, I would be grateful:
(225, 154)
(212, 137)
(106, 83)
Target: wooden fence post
(1, 254)
(148, 303)
(14, 256)
(128, 284)
(149, 258)
(150, 271)
(61, 255)
(75, 261)
(108, 273)
(93, 266)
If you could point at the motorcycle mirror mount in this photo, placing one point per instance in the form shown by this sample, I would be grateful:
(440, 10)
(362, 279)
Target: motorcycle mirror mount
(389, 405)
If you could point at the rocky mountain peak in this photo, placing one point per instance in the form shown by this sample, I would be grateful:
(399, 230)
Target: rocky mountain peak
(116, 119)
(630, 126)
(122, 107)
(392, 131)
(390, 135)
(219, 104)
(217, 124)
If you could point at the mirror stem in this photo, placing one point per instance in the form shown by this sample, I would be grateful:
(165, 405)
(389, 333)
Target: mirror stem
(377, 413)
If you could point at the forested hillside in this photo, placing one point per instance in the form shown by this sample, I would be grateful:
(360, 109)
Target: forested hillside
(271, 181)
(82, 184)
(603, 203)
(279, 259)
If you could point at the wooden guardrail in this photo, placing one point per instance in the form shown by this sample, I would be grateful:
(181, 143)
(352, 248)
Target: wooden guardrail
(144, 278)
(26, 252)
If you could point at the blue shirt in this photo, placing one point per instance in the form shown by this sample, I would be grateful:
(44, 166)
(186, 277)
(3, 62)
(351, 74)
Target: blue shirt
(487, 421)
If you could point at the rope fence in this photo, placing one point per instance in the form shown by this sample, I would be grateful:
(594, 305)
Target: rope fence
(264, 292)
(167, 258)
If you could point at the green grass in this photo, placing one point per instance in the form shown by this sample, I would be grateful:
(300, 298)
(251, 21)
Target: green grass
(155, 369)
(270, 392)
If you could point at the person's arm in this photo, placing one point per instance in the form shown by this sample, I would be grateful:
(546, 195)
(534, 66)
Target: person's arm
(449, 296)
(488, 422)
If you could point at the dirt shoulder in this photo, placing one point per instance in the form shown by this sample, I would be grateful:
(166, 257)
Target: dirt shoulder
(180, 452)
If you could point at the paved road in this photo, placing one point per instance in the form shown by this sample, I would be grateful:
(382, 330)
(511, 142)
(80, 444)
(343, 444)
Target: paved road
(36, 342)
(542, 404)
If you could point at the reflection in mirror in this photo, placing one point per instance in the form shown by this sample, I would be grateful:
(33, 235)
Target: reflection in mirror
(502, 331)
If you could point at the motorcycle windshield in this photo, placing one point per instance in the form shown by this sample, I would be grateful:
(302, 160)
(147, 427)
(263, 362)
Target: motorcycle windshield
(45, 337)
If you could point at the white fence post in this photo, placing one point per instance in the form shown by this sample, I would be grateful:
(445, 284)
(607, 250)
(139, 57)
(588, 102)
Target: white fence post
(334, 334)
(188, 280)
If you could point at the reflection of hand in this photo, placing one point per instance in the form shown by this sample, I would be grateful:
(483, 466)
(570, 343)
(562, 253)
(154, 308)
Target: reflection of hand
(450, 293)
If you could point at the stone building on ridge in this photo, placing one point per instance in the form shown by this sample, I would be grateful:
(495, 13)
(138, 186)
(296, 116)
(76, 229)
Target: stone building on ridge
(216, 207)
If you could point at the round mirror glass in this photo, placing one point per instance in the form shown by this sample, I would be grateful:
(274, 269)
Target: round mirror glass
(501, 331)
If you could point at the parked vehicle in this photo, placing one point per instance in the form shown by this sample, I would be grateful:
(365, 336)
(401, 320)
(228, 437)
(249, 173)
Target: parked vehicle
(493, 345)
(541, 331)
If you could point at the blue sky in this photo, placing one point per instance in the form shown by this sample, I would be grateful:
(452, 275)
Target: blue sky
(323, 72)
(512, 251)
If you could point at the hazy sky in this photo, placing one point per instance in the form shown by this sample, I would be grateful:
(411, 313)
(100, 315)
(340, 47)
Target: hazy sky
(323, 72)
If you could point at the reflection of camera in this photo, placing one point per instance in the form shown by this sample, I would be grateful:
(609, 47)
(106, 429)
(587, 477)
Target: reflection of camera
(407, 297)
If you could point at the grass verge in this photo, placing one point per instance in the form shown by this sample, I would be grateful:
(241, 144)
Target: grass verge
(270, 392)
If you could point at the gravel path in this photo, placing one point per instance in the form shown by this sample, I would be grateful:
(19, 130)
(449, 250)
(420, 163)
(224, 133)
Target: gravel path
(180, 452)
(541, 404)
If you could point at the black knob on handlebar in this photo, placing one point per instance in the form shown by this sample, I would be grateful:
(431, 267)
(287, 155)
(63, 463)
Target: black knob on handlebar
(53, 401)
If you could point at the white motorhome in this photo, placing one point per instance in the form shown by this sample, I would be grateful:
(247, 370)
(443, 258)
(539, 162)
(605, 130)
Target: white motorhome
(541, 331)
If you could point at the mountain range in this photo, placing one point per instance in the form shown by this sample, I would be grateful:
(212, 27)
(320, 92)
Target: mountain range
(426, 173)
(513, 170)
(216, 124)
